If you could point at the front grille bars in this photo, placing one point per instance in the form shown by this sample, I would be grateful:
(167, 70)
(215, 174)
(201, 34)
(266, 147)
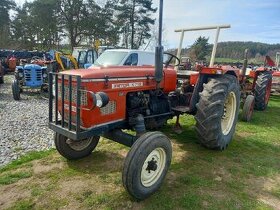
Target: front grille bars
(65, 90)
(56, 95)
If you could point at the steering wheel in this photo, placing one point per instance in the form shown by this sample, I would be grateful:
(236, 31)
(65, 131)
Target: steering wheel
(169, 59)
(35, 58)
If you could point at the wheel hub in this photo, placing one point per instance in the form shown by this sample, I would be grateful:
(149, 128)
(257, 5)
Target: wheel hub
(153, 167)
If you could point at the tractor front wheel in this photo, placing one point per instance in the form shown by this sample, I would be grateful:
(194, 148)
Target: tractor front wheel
(16, 90)
(263, 90)
(2, 79)
(73, 150)
(146, 164)
(217, 112)
(248, 108)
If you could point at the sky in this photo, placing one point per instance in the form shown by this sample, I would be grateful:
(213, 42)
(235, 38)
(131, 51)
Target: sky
(250, 20)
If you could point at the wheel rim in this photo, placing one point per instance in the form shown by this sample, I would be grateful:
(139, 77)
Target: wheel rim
(229, 113)
(79, 145)
(153, 167)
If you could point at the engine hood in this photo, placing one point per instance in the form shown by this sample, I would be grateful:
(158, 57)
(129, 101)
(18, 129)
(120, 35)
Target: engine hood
(113, 72)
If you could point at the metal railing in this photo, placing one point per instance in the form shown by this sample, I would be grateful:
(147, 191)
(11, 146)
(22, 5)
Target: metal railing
(56, 96)
(64, 104)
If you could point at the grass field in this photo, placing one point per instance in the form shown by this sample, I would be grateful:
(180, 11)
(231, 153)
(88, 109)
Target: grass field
(233, 61)
(245, 176)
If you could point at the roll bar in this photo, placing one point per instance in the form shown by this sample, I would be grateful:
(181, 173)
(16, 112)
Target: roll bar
(217, 28)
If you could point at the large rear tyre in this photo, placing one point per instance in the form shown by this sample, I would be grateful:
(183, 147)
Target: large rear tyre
(73, 150)
(16, 90)
(263, 90)
(146, 165)
(217, 112)
(248, 108)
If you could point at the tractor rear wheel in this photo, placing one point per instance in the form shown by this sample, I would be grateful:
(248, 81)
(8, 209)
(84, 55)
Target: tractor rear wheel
(217, 112)
(263, 90)
(146, 164)
(248, 108)
(73, 150)
(16, 90)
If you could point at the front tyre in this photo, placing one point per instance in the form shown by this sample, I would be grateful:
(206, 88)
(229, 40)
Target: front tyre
(16, 90)
(146, 164)
(248, 108)
(217, 112)
(73, 150)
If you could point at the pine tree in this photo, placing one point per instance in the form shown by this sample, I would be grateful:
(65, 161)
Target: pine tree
(74, 17)
(200, 49)
(5, 7)
(135, 21)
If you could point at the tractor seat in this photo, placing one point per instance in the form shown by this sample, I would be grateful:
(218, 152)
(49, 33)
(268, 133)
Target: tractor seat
(248, 70)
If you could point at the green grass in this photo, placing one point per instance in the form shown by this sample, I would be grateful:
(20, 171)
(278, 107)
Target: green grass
(10, 178)
(233, 61)
(241, 177)
(26, 159)
(22, 205)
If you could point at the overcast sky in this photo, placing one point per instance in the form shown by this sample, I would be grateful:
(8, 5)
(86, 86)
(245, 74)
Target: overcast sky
(250, 20)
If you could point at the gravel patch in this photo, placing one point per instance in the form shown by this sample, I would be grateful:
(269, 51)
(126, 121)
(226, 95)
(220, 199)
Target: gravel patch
(23, 124)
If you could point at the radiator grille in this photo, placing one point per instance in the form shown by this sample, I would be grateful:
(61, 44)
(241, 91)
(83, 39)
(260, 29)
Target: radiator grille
(84, 101)
(27, 74)
(33, 74)
(110, 108)
(38, 74)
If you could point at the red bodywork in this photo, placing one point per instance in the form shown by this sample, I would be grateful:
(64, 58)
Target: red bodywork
(117, 82)
(276, 80)
(269, 62)
(12, 63)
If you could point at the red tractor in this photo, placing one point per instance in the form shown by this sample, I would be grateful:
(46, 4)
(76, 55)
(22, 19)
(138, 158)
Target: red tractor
(275, 66)
(255, 89)
(103, 101)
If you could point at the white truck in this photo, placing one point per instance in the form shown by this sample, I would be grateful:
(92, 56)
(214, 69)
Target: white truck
(125, 57)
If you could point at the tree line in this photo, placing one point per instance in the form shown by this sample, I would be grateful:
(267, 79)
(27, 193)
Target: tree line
(45, 24)
(201, 50)
(257, 50)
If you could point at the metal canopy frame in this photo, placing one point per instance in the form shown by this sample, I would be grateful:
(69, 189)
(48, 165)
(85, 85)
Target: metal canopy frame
(277, 59)
(217, 28)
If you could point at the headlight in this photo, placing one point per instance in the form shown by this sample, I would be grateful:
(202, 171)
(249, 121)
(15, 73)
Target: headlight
(45, 75)
(20, 74)
(102, 99)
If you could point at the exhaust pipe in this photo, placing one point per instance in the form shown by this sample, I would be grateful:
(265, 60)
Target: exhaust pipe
(245, 63)
(244, 68)
(159, 49)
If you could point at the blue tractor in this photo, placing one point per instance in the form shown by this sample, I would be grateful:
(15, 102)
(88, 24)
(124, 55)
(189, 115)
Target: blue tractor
(30, 76)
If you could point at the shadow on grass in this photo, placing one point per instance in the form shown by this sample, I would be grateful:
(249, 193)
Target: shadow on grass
(99, 162)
